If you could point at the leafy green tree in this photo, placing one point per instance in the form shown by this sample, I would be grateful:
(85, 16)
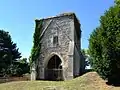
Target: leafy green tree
(23, 60)
(18, 68)
(86, 56)
(24, 66)
(117, 1)
(8, 51)
(104, 44)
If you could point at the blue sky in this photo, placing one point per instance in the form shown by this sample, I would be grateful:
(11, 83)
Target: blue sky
(17, 17)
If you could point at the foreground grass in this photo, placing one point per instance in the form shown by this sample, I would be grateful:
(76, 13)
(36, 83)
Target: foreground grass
(89, 81)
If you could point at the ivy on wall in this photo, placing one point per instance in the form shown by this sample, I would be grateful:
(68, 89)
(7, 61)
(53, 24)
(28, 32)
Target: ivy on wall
(35, 52)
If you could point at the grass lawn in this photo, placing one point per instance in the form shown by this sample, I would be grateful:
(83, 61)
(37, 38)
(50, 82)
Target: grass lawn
(89, 81)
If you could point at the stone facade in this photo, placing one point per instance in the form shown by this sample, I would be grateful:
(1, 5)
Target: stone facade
(60, 40)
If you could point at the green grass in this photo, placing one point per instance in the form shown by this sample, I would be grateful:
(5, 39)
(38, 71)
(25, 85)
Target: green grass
(89, 81)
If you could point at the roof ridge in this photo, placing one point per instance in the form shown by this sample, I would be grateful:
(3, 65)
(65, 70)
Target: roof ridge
(59, 15)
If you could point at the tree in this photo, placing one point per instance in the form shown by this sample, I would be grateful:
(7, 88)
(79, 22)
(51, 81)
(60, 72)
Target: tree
(104, 44)
(86, 56)
(23, 60)
(117, 2)
(8, 51)
(19, 68)
(24, 66)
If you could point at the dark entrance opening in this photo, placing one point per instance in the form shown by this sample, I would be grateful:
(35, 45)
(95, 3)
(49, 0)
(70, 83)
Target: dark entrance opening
(54, 69)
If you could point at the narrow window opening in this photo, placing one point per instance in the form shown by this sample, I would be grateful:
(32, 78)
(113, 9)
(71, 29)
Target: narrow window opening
(55, 40)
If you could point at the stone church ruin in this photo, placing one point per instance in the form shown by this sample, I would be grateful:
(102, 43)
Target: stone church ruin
(60, 57)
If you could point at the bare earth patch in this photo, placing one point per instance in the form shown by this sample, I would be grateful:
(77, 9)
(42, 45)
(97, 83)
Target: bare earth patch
(88, 81)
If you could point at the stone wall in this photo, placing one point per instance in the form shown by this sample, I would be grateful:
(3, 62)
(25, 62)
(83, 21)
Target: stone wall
(77, 60)
(67, 30)
(63, 28)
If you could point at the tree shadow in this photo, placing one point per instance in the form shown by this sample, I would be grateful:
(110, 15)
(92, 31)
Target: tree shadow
(114, 81)
(11, 79)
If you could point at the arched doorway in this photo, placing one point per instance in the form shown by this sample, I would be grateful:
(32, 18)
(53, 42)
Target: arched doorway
(54, 69)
